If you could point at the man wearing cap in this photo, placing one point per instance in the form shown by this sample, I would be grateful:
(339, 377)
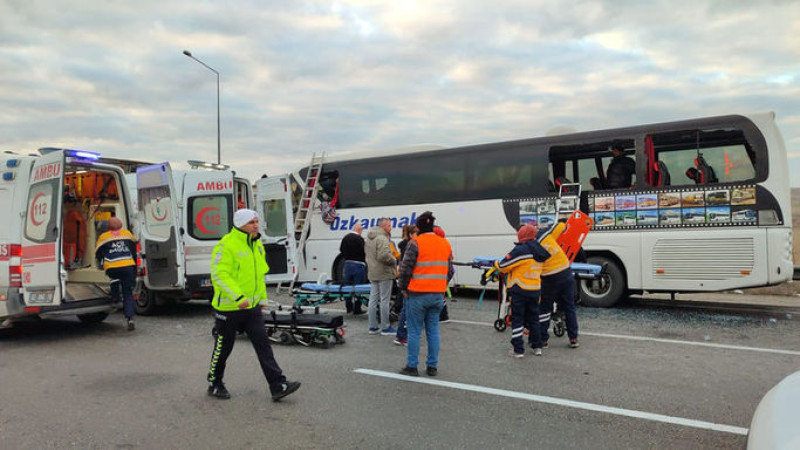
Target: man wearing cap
(523, 266)
(238, 267)
(116, 254)
(424, 273)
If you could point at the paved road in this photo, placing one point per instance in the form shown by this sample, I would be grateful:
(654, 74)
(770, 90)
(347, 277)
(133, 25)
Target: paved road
(643, 377)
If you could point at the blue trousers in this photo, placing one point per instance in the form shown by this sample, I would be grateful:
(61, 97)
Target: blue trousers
(402, 330)
(422, 310)
(524, 314)
(126, 277)
(355, 272)
(559, 289)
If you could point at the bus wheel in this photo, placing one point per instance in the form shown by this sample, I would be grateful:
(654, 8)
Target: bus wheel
(146, 302)
(93, 317)
(605, 291)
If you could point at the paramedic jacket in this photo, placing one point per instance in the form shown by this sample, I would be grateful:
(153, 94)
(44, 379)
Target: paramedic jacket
(116, 249)
(238, 266)
(523, 266)
(558, 261)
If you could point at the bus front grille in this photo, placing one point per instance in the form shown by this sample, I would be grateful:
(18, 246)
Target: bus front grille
(703, 259)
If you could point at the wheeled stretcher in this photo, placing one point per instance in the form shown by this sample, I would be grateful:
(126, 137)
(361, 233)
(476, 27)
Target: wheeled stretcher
(298, 325)
(315, 294)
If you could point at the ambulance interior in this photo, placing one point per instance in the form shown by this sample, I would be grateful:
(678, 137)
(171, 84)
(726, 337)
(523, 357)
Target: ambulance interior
(91, 197)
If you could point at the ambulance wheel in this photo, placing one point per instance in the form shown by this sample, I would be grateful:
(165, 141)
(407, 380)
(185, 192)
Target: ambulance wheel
(146, 302)
(93, 317)
(558, 328)
(500, 325)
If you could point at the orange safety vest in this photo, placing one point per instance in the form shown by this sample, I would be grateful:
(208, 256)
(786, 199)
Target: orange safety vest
(430, 271)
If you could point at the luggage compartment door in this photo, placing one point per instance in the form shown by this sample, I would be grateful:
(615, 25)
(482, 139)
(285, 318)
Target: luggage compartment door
(274, 206)
(159, 228)
(42, 278)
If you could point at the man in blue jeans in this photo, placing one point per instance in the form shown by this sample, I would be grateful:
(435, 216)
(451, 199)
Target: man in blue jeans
(355, 267)
(424, 273)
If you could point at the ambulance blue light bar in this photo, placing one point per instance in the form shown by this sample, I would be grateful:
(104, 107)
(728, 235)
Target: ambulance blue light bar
(82, 154)
(8, 176)
(11, 163)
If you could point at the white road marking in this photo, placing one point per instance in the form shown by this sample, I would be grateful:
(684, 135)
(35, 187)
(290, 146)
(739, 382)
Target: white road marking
(664, 341)
(562, 402)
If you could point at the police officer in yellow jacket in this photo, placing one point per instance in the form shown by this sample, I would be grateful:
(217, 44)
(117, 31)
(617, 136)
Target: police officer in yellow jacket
(558, 285)
(523, 267)
(238, 267)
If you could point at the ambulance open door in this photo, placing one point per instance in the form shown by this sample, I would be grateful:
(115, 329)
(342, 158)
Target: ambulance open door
(274, 206)
(159, 229)
(42, 278)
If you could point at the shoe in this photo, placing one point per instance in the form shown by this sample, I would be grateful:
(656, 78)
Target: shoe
(537, 352)
(374, 330)
(432, 371)
(573, 343)
(545, 344)
(131, 325)
(388, 331)
(410, 371)
(218, 390)
(514, 354)
(286, 388)
(398, 341)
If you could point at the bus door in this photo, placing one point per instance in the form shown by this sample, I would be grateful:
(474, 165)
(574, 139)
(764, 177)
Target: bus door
(274, 205)
(42, 277)
(159, 230)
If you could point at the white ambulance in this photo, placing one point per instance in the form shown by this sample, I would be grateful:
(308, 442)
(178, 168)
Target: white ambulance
(182, 215)
(55, 207)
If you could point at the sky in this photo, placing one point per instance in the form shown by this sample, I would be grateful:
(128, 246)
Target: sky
(299, 77)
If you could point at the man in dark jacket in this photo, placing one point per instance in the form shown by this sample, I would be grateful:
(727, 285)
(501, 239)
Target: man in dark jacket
(620, 172)
(355, 267)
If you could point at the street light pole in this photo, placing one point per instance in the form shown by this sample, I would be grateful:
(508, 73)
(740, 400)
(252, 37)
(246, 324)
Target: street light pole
(219, 147)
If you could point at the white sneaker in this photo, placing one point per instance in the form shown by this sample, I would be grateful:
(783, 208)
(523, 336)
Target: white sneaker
(514, 354)
(537, 352)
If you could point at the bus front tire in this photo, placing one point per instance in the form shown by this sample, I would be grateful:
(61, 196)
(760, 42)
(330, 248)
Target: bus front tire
(606, 291)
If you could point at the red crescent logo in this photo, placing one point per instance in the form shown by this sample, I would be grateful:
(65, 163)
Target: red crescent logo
(198, 219)
(153, 213)
(33, 210)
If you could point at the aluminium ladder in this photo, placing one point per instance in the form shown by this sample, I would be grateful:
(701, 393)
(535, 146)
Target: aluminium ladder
(305, 209)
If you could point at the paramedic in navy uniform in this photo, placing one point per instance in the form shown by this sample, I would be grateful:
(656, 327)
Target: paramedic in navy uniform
(116, 254)
(238, 267)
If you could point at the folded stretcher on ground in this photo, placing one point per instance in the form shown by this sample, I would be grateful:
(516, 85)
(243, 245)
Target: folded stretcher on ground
(296, 325)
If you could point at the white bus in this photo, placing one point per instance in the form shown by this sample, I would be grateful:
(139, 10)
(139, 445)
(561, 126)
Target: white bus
(480, 194)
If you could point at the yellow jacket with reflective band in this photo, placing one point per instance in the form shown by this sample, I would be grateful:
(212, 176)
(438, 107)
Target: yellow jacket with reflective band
(433, 261)
(558, 261)
(523, 266)
(116, 249)
(238, 266)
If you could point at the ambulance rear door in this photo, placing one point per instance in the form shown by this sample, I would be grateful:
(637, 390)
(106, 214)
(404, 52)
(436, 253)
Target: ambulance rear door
(208, 207)
(159, 228)
(274, 206)
(42, 277)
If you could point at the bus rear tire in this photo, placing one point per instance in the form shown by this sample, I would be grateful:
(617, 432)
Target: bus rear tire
(606, 291)
(93, 317)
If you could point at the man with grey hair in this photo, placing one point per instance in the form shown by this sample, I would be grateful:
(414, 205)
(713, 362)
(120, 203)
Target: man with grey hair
(381, 272)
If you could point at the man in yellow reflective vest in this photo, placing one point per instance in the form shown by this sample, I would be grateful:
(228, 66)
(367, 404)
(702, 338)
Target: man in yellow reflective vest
(238, 267)
(424, 273)
(558, 286)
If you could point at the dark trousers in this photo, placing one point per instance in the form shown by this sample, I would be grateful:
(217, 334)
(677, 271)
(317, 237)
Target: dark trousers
(524, 314)
(126, 278)
(559, 289)
(355, 272)
(251, 321)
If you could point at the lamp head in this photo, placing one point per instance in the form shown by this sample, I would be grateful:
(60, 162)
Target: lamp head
(187, 53)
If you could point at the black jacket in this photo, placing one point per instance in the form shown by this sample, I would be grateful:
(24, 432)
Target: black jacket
(620, 172)
(352, 247)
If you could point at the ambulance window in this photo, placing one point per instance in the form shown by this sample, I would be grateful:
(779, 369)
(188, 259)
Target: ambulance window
(275, 216)
(210, 216)
(40, 224)
(156, 204)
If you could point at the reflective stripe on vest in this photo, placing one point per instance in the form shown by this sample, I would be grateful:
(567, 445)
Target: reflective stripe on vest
(430, 271)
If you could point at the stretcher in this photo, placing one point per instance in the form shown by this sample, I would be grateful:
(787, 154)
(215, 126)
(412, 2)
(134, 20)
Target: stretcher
(315, 294)
(298, 325)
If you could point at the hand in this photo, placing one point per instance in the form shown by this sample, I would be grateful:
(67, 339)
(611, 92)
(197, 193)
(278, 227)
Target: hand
(244, 304)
